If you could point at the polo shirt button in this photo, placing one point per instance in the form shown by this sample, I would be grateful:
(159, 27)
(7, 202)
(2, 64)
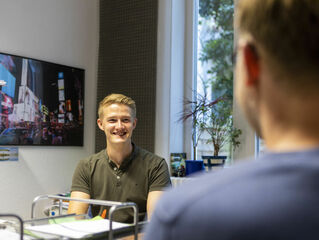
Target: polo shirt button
(118, 177)
(115, 169)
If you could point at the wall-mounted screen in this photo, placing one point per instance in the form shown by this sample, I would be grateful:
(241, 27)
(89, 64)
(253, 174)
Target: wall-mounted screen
(41, 103)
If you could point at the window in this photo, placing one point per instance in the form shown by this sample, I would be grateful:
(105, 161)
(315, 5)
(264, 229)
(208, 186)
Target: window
(260, 147)
(183, 29)
(214, 78)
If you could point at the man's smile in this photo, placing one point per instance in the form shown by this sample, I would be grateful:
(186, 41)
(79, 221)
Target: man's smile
(119, 133)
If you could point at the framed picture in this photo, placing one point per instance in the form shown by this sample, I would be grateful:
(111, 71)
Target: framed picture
(41, 103)
(178, 168)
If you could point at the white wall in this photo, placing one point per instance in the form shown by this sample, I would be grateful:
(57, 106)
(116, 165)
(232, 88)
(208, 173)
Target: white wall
(163, 78)
(174, 76)
(59, 31)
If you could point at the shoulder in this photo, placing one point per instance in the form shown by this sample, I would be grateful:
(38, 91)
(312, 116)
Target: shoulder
(270, 192)
(206, 202)
(93, 159)
(246, 194)
(220, 189)
(145, 155)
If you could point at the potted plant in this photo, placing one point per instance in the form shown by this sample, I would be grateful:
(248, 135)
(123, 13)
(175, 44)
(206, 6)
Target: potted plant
(215, 118)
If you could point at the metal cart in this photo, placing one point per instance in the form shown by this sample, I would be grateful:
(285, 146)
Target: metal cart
(114, 206)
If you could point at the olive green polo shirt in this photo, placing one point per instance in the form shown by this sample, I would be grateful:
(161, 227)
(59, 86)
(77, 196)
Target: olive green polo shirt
(139, 174)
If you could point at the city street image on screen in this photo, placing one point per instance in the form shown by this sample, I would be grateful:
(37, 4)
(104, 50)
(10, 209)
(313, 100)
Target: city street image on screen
(41, 103)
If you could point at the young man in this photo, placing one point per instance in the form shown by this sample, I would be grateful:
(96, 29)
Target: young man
(122, 172)
(277, 86)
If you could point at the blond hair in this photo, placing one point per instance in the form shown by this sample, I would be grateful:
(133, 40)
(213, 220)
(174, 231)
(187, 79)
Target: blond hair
(117, 98)
(288, 30)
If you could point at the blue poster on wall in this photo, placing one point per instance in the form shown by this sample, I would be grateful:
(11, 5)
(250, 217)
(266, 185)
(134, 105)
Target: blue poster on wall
(9, 154)
(9, 81)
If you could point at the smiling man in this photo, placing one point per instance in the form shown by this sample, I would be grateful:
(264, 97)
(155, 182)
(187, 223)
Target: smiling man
(122, 172)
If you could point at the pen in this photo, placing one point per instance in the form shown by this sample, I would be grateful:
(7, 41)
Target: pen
(103, 215)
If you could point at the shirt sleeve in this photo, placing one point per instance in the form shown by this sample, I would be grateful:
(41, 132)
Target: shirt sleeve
(81, 178)
(159, 178)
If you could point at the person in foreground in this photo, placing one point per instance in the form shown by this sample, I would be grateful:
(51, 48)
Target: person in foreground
(123, 171)
(277, 86)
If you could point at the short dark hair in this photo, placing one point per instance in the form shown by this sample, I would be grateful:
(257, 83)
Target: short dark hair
(288, 30)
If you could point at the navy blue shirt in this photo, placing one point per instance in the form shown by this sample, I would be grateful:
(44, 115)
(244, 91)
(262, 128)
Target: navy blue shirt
(274, 197)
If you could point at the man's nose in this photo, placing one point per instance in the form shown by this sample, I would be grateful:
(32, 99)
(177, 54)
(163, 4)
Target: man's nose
(119, 123)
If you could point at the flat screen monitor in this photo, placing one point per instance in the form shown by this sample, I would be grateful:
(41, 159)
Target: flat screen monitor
(41, 103)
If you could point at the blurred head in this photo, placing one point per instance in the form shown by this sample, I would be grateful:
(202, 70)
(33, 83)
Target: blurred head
(287, 30)
(277, 40)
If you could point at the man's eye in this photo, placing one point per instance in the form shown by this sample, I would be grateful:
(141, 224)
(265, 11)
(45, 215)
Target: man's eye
(111, 120)
(126, 120)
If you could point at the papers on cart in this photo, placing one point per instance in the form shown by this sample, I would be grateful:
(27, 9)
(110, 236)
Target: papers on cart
(77, 229)
(9, 232)
(8, 235)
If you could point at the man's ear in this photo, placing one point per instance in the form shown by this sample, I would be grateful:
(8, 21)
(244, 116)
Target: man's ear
(99, 123)
(134, 123)
(252, 63)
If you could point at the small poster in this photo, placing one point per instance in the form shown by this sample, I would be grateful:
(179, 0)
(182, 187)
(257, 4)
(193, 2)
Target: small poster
(9, 154)
(178, 167)
(61, 84)
(61, 95)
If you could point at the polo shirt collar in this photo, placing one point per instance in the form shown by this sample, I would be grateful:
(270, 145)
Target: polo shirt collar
(126, 162)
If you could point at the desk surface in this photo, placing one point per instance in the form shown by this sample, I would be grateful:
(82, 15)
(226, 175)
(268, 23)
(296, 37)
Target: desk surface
(131, 237)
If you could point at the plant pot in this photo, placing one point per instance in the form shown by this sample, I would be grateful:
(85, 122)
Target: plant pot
(213, 162)
(193, 166)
